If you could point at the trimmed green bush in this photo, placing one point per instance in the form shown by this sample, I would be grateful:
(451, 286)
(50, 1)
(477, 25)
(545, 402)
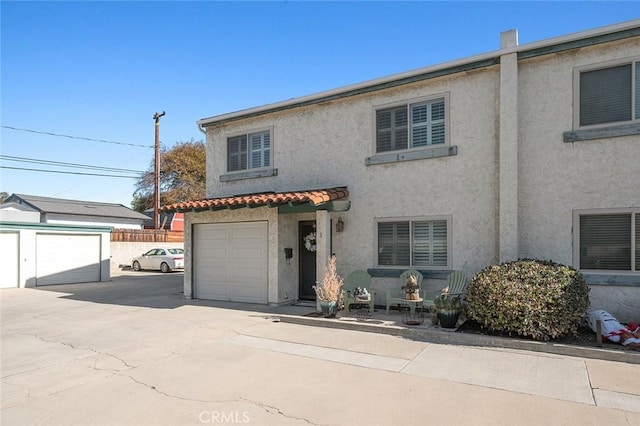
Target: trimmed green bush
(530, 298)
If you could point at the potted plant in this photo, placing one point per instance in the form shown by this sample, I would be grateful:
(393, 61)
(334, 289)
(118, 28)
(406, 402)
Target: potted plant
(329, 290)
(448, 308)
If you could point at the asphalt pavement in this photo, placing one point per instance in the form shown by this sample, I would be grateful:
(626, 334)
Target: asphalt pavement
(133, 351)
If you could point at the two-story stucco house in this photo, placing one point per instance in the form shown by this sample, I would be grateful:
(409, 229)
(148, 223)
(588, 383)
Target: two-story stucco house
(530, 151)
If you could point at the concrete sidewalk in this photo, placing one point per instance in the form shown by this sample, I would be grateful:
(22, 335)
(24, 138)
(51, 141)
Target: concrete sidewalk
(134, 352)
(547, 374)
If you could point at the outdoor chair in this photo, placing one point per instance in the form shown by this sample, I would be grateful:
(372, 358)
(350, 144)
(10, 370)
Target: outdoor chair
(457, 283)
(396, 296)
(358, 279)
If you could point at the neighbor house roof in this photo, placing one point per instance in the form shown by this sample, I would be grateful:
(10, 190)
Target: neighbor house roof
(529, 50)
(48, 205)
(316, 197)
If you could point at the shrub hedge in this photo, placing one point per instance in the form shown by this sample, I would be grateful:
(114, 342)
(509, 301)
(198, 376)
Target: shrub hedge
(528, 297)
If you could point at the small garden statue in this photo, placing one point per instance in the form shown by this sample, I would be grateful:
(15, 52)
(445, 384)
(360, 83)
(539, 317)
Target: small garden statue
(411, 289)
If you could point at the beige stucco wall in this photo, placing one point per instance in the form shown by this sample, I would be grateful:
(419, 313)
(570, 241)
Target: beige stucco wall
(557, 178)
(326, 145)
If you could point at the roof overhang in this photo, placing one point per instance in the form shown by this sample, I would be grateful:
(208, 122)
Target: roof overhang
(331, 199)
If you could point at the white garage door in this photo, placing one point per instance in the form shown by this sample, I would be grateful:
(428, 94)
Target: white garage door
(9, 263)
(230, 261)
(67, 259)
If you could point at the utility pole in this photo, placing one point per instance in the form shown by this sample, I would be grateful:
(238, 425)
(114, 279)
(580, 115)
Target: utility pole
(156, 173)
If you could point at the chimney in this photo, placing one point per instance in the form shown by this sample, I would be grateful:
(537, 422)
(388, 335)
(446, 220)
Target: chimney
(508, 39)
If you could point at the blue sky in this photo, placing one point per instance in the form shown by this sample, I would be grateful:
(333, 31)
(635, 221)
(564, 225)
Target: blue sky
(100, 70)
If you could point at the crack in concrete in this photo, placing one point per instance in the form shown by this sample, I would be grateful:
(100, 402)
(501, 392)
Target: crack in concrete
(168, 395)
(271, 410)
(267, 408)
(60, 342)
(119, 359)
(42, 339)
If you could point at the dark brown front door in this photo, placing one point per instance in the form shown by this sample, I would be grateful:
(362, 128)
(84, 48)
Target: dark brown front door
(307, 261)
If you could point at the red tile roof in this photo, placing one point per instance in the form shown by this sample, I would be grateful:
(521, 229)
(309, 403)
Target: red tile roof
(272, 199)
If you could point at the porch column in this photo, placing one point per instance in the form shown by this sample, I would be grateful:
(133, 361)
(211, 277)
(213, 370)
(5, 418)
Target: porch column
(323, 241)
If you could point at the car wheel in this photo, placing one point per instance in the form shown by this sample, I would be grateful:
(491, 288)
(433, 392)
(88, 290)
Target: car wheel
(165, 268)
(136, 266)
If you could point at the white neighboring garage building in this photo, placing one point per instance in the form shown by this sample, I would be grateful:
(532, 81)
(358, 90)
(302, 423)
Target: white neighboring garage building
(39, 254)
(47, 241)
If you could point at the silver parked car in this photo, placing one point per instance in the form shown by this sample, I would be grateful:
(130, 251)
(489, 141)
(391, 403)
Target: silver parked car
(163, 259)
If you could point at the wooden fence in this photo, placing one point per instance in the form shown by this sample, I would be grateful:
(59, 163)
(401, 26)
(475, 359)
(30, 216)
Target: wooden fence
(147, 235)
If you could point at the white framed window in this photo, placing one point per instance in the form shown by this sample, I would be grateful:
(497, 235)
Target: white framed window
(412, 125)
(249, 151)
(607, 240)
(608, 94)
(418, 242)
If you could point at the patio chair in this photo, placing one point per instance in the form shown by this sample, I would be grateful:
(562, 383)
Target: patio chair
(457, 283)
(356, 279)
(396, 296)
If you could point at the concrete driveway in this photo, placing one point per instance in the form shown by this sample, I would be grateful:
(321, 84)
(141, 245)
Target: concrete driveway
(134, 352)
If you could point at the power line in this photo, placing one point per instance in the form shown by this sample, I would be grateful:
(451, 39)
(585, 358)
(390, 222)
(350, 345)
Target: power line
(75, 137)
(62, 164)
(67, 173)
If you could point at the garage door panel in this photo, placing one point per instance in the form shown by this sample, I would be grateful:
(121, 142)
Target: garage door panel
(248, 274)
(67, 259)
(214, 292)
(248, 294)
(216, 253)
(247, 253)
(230, 261)
(248, 233)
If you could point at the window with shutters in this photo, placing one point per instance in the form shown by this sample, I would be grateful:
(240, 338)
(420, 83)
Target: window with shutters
(417, 243)
(249, 151)
(609, 240)
(608, 95)
(413, 125)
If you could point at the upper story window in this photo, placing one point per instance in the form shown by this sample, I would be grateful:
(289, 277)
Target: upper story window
(609, 95)
(249, 151)
(412, 125)
(608, 240)
(418, 243)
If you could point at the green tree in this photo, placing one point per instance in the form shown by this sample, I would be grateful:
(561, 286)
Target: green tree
(182, 176)
(3, 196)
